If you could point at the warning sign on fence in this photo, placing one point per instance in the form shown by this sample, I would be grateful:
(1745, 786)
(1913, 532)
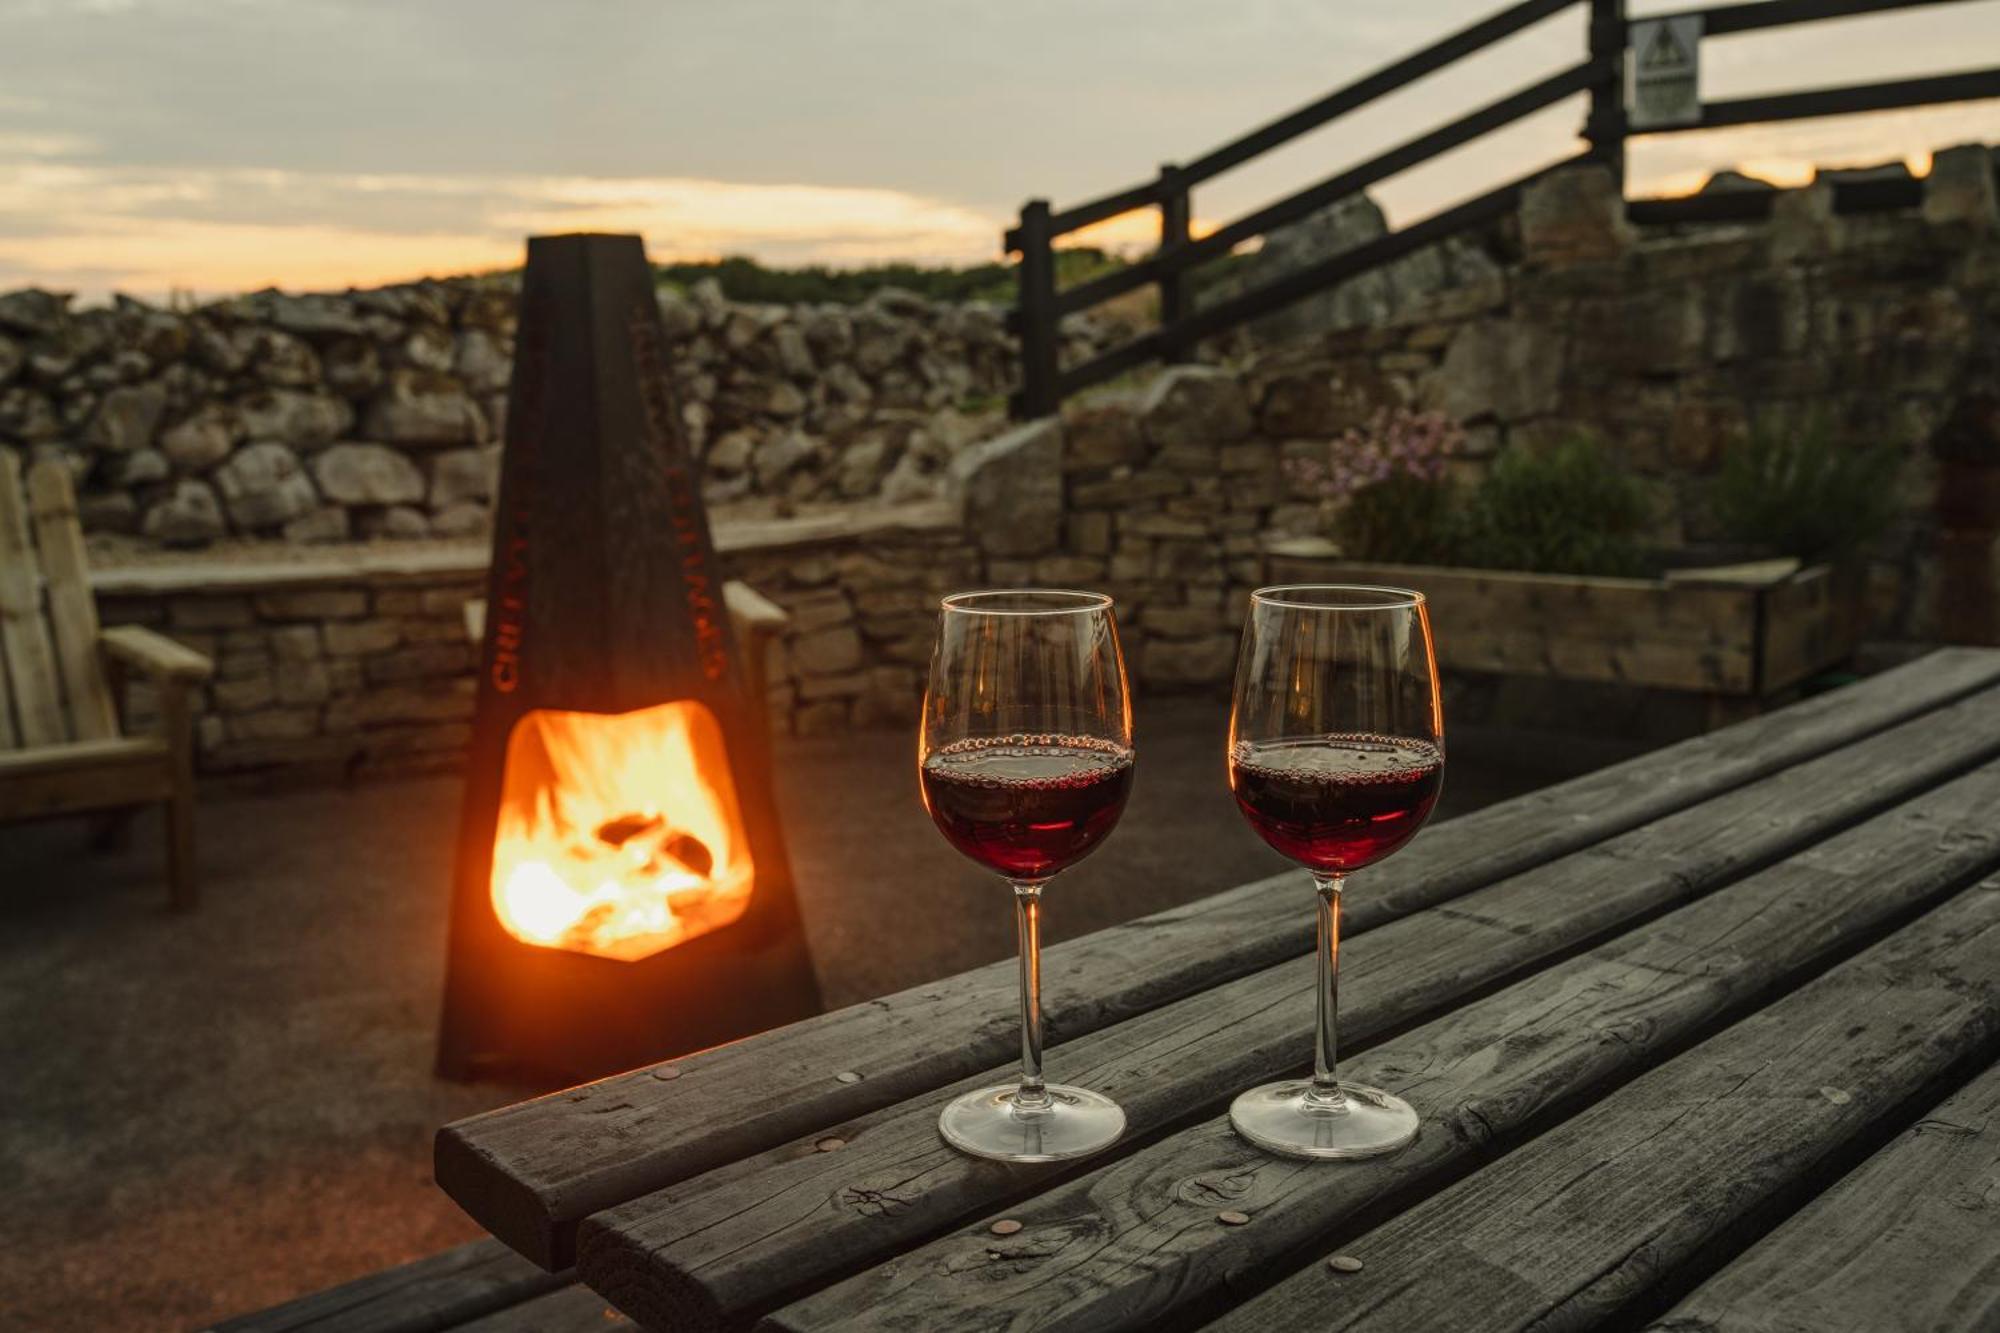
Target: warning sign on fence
(1666, 72)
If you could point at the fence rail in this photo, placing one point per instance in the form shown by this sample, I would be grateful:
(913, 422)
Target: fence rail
(1601, 74)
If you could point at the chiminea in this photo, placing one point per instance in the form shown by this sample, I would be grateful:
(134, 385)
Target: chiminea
(622, 892)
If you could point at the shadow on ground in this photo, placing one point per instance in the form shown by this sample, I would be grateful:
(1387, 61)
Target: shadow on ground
(207, 1114)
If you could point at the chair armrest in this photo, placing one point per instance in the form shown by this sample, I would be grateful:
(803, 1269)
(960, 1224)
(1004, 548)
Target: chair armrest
(155, 654)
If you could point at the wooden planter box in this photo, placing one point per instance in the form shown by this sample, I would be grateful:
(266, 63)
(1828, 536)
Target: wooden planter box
(1743, 630)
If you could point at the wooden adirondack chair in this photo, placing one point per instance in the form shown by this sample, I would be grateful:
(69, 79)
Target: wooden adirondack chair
(62, 749)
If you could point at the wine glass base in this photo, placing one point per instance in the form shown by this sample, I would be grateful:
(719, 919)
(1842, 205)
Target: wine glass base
(1076, 1123)
(1277, 1118)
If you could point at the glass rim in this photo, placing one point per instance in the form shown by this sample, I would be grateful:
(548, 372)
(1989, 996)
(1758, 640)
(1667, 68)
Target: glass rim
(1083, 602)
(1386, 597)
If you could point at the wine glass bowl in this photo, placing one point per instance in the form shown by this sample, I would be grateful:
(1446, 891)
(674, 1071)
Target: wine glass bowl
(1336, 759)
(1025, 762)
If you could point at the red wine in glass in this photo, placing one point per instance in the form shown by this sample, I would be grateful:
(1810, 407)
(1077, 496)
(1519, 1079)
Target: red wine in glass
(1027, 806)
(1336, 803)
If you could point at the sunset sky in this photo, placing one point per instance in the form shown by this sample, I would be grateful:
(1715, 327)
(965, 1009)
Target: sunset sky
(215, 145)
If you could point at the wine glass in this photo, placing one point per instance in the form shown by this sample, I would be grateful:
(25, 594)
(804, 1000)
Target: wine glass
(1336, 757)
(1025, 761)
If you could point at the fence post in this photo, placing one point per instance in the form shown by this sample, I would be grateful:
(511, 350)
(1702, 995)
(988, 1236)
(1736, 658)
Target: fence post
(1174, 220)
(1605, 127)
(1036, 307)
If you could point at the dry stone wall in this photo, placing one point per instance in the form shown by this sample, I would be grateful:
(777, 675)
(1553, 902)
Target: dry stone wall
(376, 414)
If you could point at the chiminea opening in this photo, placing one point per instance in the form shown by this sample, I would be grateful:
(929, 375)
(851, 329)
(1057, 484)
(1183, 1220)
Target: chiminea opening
(622, 892)
(619, 836)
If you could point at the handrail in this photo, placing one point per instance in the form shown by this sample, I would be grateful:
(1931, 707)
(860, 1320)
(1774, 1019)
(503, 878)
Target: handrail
(1310, 200)
(1041, 307)
(1310, 117)
(1722, 20)
(1968, 86)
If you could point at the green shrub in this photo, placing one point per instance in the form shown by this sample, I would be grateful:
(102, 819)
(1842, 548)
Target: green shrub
(1805, 493)
(1402, 520)
(1562, 510)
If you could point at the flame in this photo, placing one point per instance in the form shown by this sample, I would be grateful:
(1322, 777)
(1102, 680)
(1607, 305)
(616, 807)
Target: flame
(618, 835)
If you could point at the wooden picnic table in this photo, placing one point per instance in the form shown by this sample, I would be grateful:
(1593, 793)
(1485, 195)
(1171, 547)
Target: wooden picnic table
(1706, 1040)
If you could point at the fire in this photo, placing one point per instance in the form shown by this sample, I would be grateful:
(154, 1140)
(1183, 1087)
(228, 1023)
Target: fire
(619, 835)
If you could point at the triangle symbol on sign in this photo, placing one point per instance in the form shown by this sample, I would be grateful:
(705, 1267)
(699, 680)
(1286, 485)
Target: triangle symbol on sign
(1663, 52)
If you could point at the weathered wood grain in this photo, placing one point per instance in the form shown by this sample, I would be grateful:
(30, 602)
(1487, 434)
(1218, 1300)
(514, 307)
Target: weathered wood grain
(441, 1292)
(738, 1239)
(531, 1171)
(72, 607)
(575, 1309)
(1910, 1239)
(24, 636)
(1634, 631)
(1568, 1230)
(1126, 1244)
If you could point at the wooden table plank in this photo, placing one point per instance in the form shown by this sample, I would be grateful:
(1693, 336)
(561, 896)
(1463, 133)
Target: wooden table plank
(1125, 1245)
(530, 1172)
(744, 1236)
(574, 1309)
(1568, 1230)
(441, 1292)
(1910, 1239)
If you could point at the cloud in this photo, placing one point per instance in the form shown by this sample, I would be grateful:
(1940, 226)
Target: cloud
(150, 231)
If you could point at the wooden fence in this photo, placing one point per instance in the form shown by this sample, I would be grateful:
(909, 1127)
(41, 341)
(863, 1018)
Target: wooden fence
(1602, 74)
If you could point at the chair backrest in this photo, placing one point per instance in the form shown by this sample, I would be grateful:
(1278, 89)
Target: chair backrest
(53, 686)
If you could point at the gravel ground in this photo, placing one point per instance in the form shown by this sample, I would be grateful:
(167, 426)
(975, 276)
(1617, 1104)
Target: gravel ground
(208, 1114)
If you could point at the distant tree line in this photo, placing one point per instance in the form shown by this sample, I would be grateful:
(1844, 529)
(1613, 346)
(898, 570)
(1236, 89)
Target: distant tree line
(744, 279)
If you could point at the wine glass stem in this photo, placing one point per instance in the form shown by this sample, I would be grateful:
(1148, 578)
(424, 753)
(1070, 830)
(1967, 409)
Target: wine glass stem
(1326, 1042)
(1031, 1096)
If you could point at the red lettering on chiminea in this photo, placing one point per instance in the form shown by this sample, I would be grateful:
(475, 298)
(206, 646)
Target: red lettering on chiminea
(510, 612)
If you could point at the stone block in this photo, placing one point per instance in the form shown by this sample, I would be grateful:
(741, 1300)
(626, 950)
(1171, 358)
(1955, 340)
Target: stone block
(1960, 190)
(1509, 369)
(196, 611)
(313, 604)
(296, 643)
(242, 696)
(1102, 432)
(1088, 533)
(827, 651)
(819, 610)
(1077, 571)
(417, 662)
(299, 683)
(354, 638)
(1012, 488)
(845, 686)
(273, 724)
(1195, 405)
(1573, 215)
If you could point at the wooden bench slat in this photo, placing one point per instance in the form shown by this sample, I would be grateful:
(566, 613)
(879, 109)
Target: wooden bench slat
(530, 1172)
(1128, 1243)
(1594, 1214)
(72, 607)
(574, 1309)
(440, 1292)
(24, 638)
(738, 1239)
(1908, 1239)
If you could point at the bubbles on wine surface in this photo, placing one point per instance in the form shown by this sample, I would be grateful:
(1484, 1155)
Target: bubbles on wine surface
(1341, 759)
(1029, 761)
(1027, 805)
(1336, 803)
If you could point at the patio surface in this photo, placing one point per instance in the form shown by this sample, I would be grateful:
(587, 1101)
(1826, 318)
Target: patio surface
(208, 1114)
